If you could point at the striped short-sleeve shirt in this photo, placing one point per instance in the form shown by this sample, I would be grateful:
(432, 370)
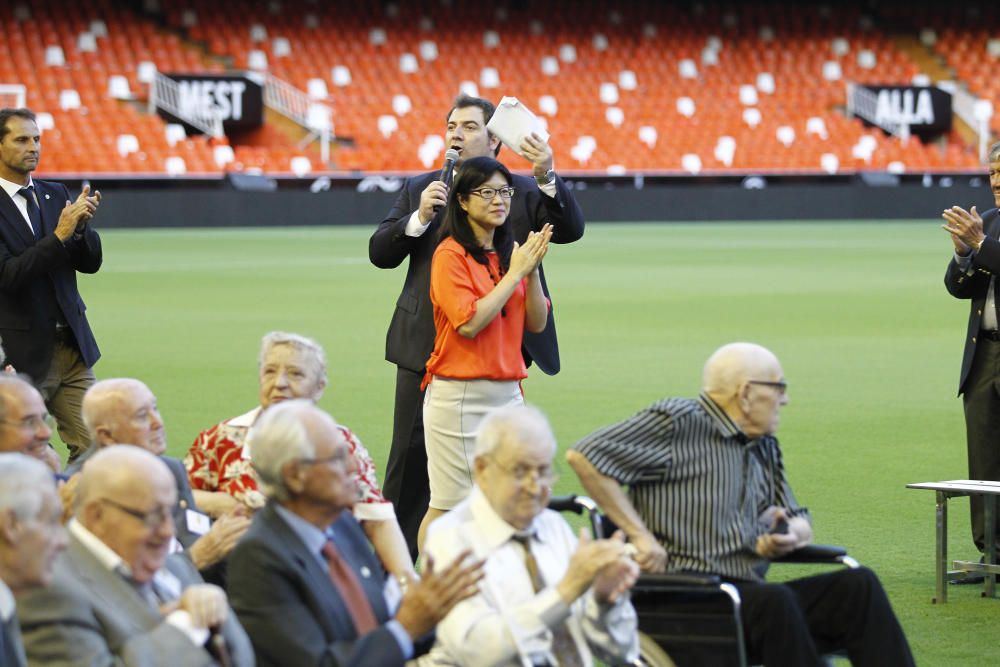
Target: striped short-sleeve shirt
(699, 484)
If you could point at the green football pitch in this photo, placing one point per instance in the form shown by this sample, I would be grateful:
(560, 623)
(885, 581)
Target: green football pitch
(869, 340)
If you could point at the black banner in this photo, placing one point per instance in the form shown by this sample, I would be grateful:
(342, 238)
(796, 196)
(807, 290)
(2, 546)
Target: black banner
(927, 110)
(237, 99)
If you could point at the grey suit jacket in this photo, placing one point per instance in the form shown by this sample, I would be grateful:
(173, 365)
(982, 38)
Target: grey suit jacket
(89, 616)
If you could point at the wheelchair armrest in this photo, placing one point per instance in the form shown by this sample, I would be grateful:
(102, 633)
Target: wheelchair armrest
(814, 553)
(649, 580)
(566, 504)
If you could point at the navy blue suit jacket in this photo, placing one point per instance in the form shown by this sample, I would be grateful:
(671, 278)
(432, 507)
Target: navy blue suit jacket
(291, 610)
(410, 339)
(31, 272)
(985, 264)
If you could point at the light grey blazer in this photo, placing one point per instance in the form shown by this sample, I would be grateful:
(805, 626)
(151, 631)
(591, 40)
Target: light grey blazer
(91, 617)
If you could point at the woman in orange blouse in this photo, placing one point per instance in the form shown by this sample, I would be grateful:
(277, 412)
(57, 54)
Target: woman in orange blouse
(485, 291)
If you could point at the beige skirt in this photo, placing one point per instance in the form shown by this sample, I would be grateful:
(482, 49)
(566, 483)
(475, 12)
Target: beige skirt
(453, 410)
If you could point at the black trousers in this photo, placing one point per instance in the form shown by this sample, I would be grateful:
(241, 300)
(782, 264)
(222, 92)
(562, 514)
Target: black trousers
(981, 398)
(793, 623)
(405, 483)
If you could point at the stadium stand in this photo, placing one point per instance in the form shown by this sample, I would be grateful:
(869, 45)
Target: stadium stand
(706, 88)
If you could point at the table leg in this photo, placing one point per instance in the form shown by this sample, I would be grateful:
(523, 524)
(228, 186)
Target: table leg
(989, 552)
(941, 549)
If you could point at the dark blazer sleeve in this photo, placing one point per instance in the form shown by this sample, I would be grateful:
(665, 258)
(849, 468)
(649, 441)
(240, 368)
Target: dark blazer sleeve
(84, 249)
(564, 213)
(274, 593)
(389, 245)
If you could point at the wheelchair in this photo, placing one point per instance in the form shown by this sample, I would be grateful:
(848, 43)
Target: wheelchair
(691, 620)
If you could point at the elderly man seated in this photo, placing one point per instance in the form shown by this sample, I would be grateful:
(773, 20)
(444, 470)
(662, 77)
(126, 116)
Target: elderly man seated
(304, 580)
(116, 597)
(123, 411)
(31, 536)
(222, 475)
(707, 492)
(546, 598)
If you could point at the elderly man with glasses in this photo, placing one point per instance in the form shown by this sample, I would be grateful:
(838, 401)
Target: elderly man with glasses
(25, 424)
(547, 597)
(116, 597)
(707, 493)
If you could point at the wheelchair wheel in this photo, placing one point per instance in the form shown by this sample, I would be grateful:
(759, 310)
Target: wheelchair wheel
(652, 654)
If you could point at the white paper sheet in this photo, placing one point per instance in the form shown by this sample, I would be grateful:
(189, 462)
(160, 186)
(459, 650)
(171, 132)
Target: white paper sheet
(512, 122)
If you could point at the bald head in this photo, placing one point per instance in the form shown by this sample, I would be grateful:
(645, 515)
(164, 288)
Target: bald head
(120, 471)
(733, 364)
(123, 411)
(126, 498)
(747, 382)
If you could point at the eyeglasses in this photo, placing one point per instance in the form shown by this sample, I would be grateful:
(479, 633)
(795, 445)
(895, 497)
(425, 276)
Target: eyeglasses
(152, 519)
(31, 422)
(780, 385)
(339, 457)
(521, 472)
(489, 193)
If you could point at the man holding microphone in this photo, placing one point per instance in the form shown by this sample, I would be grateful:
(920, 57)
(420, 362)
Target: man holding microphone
(410, 231)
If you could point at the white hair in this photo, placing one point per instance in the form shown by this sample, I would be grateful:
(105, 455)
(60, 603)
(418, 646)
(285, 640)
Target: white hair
(302, 343)
(513, 423)
(279, 437)
(22, 480)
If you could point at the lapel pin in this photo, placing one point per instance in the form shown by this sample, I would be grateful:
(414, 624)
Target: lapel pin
(46, 196)
(365, 572)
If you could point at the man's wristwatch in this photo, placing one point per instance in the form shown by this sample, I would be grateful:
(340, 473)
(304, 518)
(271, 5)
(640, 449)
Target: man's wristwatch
(549, 177)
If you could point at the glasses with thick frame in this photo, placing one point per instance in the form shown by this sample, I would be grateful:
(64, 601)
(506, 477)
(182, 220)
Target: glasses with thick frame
(521, 472)
(152, 519)
(488, 194)
(780, 385)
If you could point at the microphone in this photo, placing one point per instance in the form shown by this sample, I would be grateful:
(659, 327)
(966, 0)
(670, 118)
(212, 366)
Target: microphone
(450, 158)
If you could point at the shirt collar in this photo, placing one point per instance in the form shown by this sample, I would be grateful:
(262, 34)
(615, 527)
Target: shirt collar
(104, 554)
(491, 526)
(247, 419)
(11, 188)
(726, 427)
(7, 606)
(311, 536)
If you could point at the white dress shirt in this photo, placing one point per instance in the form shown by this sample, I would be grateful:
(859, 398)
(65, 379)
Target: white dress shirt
(507, 623)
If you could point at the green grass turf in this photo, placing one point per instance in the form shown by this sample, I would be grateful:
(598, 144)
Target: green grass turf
(869, 339)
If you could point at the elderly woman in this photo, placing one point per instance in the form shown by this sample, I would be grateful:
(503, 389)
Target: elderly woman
(486, 291)
(221, 473)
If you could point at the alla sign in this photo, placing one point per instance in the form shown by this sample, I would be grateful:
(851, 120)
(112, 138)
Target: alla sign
(926, 110)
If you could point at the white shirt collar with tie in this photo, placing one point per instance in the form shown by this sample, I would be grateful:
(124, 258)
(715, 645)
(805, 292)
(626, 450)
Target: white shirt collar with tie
(12, 189)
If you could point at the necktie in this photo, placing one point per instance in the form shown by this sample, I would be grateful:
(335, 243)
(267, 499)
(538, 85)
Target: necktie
(347, 584)
(563, 647)
(34, 215)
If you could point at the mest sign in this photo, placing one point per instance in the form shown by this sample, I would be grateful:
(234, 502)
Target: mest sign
(237, 99)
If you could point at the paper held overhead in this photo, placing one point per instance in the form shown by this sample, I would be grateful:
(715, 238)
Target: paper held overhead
(512, 122)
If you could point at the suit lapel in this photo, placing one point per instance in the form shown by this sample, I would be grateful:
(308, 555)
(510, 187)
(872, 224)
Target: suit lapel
(48, 207)
(110, 588)
(14, 221)
(334, 612)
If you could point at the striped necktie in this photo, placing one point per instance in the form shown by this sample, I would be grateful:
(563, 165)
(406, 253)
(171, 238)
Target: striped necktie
(563, 647)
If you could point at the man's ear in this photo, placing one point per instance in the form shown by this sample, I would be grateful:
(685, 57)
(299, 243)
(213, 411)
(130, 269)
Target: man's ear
(293, 477)
(9, 527)
(104, 438)
(494, 143)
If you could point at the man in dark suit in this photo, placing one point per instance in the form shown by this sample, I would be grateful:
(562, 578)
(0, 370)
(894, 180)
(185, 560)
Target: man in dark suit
(410, 231)
(44, 240)
(304, 581)
(117, 596)
(124, 411)
(972, 274)
(31, 536)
